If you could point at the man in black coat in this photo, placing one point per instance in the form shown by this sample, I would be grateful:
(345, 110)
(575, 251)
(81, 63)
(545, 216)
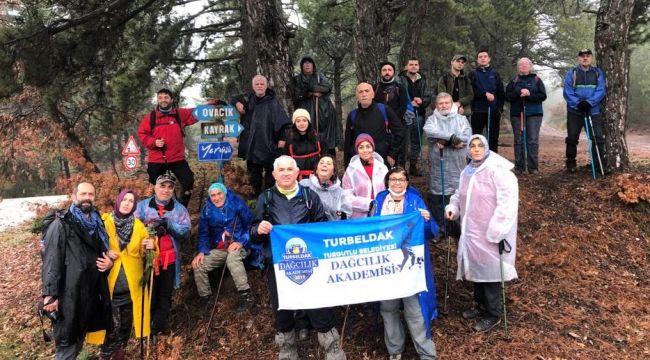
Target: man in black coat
(289, 203)
(74, 274)
(264, 120)
(385, 127)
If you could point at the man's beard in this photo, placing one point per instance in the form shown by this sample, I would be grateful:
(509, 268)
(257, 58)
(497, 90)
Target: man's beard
(387, 78)
(86, 206)
(444, 112)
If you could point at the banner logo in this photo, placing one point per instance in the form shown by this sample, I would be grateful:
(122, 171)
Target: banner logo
(297, 262)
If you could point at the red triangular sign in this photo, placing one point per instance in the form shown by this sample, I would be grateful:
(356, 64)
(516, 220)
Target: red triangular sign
(131, 148)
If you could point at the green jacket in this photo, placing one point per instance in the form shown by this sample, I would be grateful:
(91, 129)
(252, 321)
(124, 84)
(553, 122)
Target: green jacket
(466, 94)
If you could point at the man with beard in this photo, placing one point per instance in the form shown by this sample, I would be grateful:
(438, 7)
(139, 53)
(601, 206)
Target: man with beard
(378, 121)
(162, 132)
(390, 92)
(74, 273)
(311, 91)
(447, 133)
(418, 92)
(458, 84)
(264, 120)
(171, 221)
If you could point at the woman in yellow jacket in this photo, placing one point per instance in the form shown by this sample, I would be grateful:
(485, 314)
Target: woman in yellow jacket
(128, 239)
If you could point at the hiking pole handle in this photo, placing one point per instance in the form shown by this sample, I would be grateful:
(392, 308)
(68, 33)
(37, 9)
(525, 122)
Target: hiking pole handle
(504, 246)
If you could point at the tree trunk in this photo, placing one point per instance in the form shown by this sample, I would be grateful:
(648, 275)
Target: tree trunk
(249, 52)
(417, 11)
(336, 84)
(613, 55)
(373, 19)
(271, 35)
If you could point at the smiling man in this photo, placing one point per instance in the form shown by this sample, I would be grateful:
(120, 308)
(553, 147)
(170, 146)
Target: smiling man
(377, 120)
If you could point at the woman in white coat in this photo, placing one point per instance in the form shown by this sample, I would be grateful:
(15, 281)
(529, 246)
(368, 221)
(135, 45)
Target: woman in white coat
(487, 200)
(365, 175)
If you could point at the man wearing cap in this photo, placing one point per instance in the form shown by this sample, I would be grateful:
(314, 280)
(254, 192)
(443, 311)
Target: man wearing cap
(264, 120)
(458, 84)
(417, 91)
(489, 97)
(377, 120)
(390, 92)
(171, 222)
(311, 91)
(162, 132)
(223, 241)
(584, 89)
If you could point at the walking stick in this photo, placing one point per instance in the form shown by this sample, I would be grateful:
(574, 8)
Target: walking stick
(589, 143)
(147, 265)
(214, 307)
(417, 123)
(444, 227)
(489, 122)
(347, 311)
(502, 248)
(600, 160)
(316, 101)
(522, 128)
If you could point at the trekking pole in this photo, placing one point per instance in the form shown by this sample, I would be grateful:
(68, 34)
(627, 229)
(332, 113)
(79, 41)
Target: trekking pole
(600, 160)
(214, 307)
(522, 125)
(502, 249)
(417, 123)
(489, 122)
(147, 280)
(316, 101)
(444, 227)
(347, 311)
(589, 143)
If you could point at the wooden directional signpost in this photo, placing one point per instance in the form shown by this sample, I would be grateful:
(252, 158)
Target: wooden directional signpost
(217, 122)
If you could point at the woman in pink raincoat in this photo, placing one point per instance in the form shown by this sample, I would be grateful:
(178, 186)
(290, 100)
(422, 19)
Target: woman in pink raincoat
(487, 201)
(365, 175)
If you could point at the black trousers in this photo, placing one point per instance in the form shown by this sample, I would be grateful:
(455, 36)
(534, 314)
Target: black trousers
(259, 181)
(321, 320)
(488, 296)
(479, 121)
(181, 170)
(119, 336)
(438, 202)
(161, 298)
(575, 123)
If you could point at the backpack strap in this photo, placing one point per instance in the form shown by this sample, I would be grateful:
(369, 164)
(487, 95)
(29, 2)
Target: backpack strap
(152, 121)
(382, 110)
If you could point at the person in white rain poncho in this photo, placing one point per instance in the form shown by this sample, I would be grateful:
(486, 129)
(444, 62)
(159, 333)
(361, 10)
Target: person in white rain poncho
(487, 201)
(447, 132)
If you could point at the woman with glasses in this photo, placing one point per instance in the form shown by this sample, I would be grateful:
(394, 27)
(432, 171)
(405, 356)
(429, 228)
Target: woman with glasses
(487, 201)
(364, 176)
(419, 309)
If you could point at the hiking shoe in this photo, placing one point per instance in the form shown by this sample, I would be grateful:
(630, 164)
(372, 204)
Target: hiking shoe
(246, 301)
(472, 313)
(206, 301)
(533, 171)
(395, 357)
(303, 334)
(486, 324)
(571, 169)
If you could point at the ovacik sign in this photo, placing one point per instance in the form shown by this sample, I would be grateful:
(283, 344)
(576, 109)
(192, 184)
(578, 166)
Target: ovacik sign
(211, 112)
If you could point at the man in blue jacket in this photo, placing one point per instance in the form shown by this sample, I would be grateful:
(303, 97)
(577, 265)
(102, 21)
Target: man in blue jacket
(489, 97)
(584, 89)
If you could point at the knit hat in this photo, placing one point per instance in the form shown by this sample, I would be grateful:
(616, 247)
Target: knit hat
(218, 186)
(120, 197)
(300, 113)
(387, 63)
(364, 137)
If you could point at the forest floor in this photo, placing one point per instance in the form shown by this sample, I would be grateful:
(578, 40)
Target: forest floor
(583, 289)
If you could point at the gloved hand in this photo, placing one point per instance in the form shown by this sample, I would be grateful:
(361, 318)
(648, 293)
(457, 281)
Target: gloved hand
(455, 140)
(584, 106)
(161, 226)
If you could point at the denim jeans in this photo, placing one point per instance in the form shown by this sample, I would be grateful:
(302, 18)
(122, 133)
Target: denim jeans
(532, 126)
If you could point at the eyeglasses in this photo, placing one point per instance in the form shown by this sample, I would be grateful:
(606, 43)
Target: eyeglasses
(397, 180)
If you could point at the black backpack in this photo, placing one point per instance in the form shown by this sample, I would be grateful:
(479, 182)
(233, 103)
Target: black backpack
(152, 121)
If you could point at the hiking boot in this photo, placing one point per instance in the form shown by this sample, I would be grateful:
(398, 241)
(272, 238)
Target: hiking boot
(246, 301)
(571, 169)
(286, 342)
(533, 171)
(303, 334)
(329, 341)
(206, 301)
(519, 171)
(472, 313)
(486, 324)
(395, 357)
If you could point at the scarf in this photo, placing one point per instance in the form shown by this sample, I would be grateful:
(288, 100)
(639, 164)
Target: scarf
(124, 229)
(289, 193)
(93, 224)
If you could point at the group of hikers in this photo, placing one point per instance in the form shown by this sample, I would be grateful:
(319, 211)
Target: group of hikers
(96, 270)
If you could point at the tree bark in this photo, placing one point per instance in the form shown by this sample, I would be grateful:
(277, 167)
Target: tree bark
(612, 39)
(417, 11)
(336, 84)
(271, 35)
(373, 19)
(249, 52)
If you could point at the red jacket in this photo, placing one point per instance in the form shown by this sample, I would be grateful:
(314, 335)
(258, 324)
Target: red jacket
(167, 129)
